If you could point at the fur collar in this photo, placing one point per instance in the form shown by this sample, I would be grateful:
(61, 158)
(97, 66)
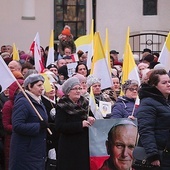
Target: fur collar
(72, 108)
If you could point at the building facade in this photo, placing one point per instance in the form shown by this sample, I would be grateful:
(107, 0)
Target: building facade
(22, 19)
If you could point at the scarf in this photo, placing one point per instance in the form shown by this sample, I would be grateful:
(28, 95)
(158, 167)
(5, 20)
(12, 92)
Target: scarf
(36, 98)
(81, 107)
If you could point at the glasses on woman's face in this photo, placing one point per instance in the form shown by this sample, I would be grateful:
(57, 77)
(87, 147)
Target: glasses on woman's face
(133, 89)
(76, 89)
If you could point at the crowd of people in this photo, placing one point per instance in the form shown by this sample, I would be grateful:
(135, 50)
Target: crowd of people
(26, 114)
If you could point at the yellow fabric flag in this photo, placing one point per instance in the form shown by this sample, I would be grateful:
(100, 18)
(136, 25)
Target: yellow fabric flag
(129, 69)
(47, 83)
(107, 49)
(85, 43)
(50, 57)
(15, 53)
(164, 57)
(100, 67)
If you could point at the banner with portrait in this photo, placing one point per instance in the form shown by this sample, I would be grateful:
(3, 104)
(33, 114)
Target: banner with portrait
(98, 134)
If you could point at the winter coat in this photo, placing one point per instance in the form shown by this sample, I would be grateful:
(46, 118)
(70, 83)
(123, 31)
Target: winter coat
(52, 140)
(66, 43)
(3, 99)
(123, 107)
(154, 124)
(28, 141)
(73, 146)
(6, 118)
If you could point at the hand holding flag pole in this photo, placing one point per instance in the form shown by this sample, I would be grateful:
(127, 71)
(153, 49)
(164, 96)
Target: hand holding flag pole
(40, 117)
(7, 79)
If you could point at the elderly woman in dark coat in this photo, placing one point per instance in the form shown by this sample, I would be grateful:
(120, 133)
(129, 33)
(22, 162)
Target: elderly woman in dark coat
(72, 122)
(28, 141)
(154, 118)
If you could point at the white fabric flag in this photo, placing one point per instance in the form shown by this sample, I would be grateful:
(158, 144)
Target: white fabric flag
(6, 76)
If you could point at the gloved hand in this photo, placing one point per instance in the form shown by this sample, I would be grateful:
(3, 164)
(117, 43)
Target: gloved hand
(44, 124)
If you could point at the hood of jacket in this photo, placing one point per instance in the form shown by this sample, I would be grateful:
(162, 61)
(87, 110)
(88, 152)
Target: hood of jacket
(151, 91)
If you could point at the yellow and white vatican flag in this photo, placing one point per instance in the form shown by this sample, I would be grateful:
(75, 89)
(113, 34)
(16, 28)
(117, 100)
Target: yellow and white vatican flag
(93, 107)
(6, 76)
(47, 83)
(129, 69)
(164, 57)
(50, 57)
(85, 43)
(15, 53)
(100, 67)
(107, 49)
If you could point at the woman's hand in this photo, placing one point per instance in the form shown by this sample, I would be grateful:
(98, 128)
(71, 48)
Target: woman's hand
(91, 120)
(85, 123)
(131, 117)
(156, 163)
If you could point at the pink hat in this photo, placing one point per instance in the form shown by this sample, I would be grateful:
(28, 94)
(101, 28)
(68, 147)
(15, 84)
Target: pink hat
(80, 77)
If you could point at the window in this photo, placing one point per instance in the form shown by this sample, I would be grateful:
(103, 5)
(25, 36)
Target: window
(72, 13)
(149, 7)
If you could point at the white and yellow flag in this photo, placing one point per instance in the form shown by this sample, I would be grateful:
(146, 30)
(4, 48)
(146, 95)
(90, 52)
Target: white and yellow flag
(50, 57)
(85, 43)
(93, 107)
(107, 49)
(129, 69)
(164, 57)
(100, 67)
(15, 53)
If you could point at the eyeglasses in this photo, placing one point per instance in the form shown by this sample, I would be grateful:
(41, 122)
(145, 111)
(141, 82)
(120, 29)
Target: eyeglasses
(76, 89)
(83, 82)
(133, 89)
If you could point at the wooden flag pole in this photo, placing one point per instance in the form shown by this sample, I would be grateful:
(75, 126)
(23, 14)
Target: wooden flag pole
(49, 131)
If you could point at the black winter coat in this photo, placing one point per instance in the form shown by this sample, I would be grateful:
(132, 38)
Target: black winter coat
(154, 123)
(73, 146)
(52, 140)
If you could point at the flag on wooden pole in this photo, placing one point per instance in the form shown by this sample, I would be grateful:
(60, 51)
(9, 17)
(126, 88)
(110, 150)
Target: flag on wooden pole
(85, 43)
(164, 57)
(100, 67)
(6, 76)
(129, 69)
(35, 48)
(92, 105)
(107, 49)
(15, 53)
(50, 57)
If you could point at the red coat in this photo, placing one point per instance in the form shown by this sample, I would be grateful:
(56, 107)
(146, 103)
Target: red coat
(6, 119)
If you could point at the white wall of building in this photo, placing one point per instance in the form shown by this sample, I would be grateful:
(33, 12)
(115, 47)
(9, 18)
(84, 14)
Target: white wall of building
(13, 29)
(116, 15)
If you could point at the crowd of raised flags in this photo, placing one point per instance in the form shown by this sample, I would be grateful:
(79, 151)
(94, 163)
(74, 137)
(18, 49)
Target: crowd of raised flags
(98, 59)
